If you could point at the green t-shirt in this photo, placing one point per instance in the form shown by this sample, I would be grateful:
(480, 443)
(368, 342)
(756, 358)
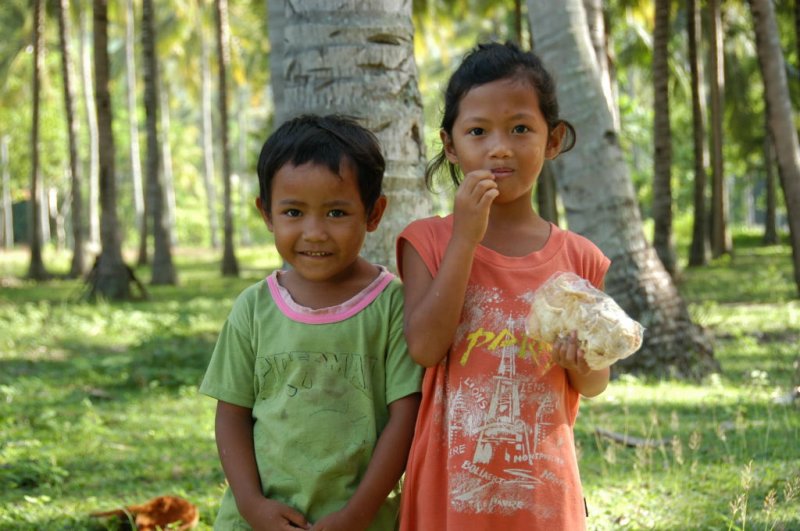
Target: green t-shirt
(319, 388)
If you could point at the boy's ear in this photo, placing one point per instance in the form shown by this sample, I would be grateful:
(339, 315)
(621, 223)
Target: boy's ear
(554, 141)
(265, 215)
(447, 145)
(375, 215)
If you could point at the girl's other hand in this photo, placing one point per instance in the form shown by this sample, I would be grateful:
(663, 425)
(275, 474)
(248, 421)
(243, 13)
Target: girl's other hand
(473, 200)
(567, 353)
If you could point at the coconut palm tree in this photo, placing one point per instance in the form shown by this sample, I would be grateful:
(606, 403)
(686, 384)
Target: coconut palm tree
(720, 235)
(36, 269)
(110, 277)
(78, 264)
(698, 251)
(230, 266)
(163, 268)
(781, 117)
(662, 141)
(358, 59)
(601, 204)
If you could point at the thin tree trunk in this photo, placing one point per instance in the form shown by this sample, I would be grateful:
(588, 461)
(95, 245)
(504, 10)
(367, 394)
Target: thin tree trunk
(91, 118)
(163, 269)
(8, 214)
(230, 266)
(601, 204)
(110, 278)
(78, 264)
(662, 141)
(207, 135)
(781, 118)
(246, 198)
(546, 204)
(770, 209)
(168, 181)
(598, 36)
(36, 269)
(133, 129)
(699, 249)
(720, 236)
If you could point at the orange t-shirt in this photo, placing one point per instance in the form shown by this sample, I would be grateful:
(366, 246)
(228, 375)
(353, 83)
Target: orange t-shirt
(494, 447)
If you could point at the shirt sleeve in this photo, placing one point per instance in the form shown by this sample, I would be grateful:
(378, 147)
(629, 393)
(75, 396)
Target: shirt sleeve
(403, 376)
(230, 373)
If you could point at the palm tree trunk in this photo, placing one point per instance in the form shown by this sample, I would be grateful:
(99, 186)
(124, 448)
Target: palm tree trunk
(133, 129)
(770, 221)
(699, 250)
(36, 269)
(230, 266)
(91, 118)
(207, 135)
(8, 215)
(358, 59)
(111, 276)
(598, 35)
(168, 180)
(601, 204)
(662, 141)
(720, 236)
(163, 269)
(78, 264)
(781, 117)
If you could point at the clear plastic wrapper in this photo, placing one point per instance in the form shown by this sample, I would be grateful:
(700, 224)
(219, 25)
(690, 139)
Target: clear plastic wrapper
(567, 302)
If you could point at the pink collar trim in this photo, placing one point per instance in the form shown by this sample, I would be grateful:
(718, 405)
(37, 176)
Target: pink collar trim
(331, 314)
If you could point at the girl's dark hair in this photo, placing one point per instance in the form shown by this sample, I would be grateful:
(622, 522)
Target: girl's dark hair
(327, 141)
(492, 62)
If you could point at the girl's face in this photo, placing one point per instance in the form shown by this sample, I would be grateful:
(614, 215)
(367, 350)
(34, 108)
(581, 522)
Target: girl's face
(319, 220)
(500, 128)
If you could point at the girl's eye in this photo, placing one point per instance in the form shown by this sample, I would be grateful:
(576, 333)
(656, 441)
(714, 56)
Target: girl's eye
(476, 131)
(521, 129)
(292, 213)
(336, 213)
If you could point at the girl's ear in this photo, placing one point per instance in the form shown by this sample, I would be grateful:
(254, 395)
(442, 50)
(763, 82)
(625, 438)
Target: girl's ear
(265, 215)
(447, 146)
(375, 215)
(554, 141)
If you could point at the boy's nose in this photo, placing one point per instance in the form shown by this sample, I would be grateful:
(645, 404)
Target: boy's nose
(314, 229)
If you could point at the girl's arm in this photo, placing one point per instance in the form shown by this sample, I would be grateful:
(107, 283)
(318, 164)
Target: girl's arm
(433, 305)
(582, 378)
(383, 472)
(234, 434)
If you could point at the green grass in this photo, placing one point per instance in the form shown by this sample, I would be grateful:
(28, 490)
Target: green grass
(99, 404)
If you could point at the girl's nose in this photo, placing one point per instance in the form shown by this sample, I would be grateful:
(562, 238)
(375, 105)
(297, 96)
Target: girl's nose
(500, 148)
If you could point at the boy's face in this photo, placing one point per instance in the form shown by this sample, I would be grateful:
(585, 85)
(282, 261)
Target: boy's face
(319, 220)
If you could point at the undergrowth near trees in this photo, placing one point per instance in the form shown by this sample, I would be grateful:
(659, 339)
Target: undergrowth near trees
(99, 405)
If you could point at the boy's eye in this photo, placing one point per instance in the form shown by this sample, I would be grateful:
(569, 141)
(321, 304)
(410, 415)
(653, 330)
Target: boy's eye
(292, 213)
(520, 129)
(336, 213)
(476, 131)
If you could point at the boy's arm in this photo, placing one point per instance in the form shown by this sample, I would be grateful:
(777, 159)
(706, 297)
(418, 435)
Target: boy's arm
(383, 472)
(234, 434)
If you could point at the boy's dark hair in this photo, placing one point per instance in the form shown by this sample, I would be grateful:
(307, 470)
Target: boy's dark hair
(327, 141)
(492, 62)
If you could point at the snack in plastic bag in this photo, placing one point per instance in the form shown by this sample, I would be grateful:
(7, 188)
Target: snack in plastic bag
(567, 302)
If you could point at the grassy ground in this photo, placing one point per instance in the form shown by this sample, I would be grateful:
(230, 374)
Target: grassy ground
(99, 403)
